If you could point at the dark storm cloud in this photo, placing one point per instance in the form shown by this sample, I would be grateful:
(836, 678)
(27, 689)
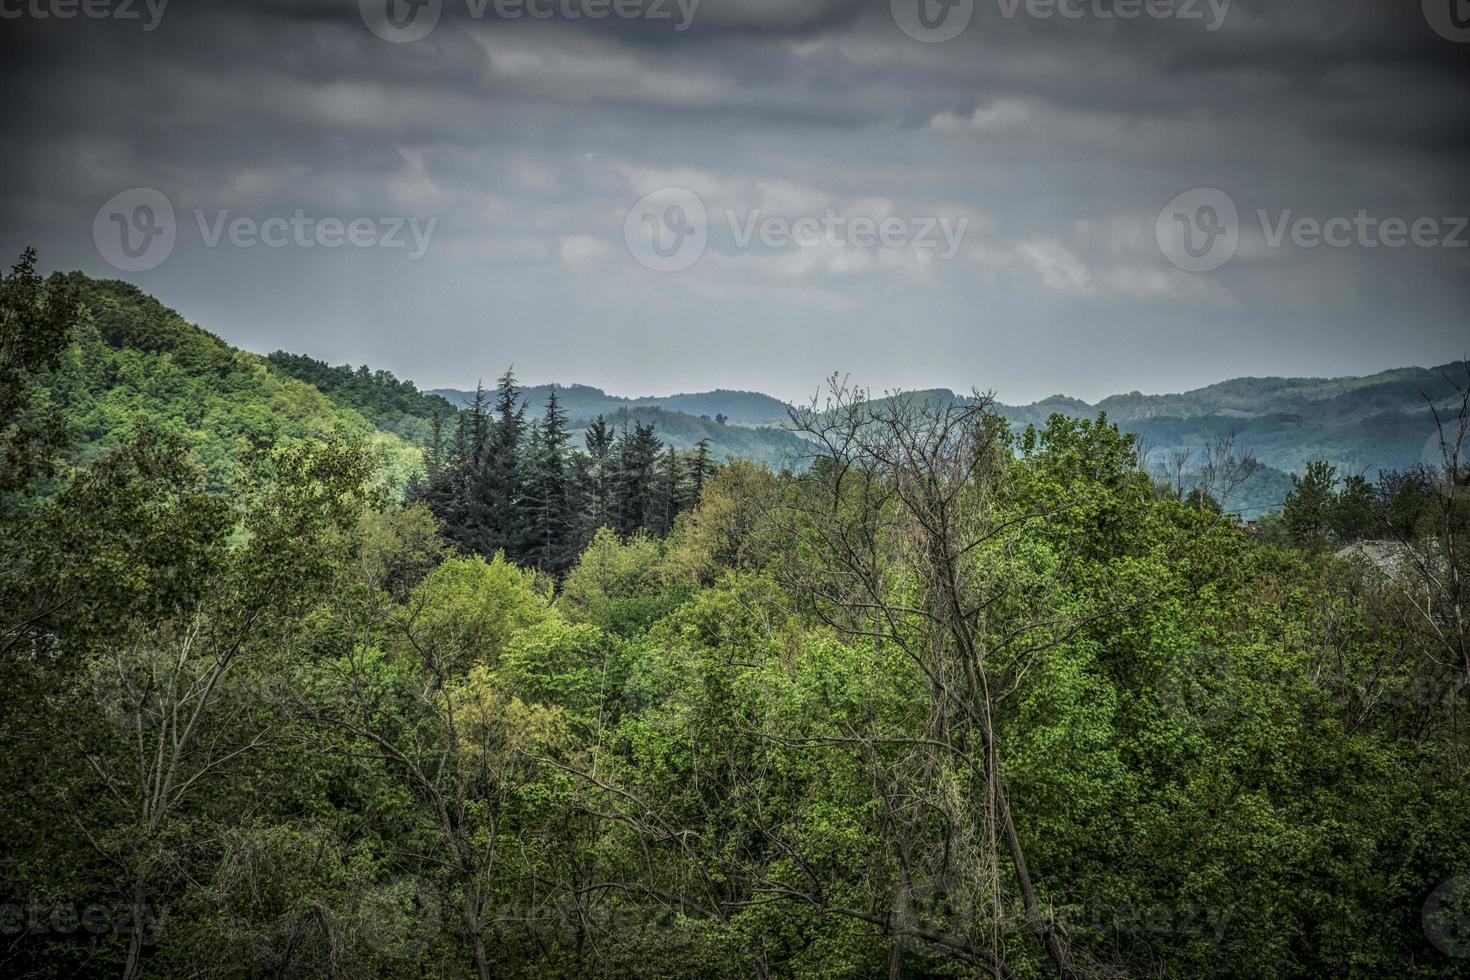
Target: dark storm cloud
(527, 141)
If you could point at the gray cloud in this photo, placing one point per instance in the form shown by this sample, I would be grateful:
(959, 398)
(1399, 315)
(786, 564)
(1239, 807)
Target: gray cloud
(528, 141)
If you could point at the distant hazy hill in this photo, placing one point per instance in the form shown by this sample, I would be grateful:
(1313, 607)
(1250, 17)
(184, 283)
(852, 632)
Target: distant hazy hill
(773, 446)
(584, 402)
(680, 420)
(1361, 425)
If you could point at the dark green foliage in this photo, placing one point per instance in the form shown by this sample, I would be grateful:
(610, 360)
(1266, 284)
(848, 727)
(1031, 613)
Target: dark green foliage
(1310, 505)
(521, 490)
(551, 495)
(391, 405)
(37, 321)
(1401, 506)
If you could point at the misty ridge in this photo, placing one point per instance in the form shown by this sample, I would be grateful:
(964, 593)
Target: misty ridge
(1362, 426)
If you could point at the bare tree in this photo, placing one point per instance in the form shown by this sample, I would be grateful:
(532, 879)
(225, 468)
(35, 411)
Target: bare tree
(1178, 469)
(1435, 562)
(1225, 469)
(907, 543)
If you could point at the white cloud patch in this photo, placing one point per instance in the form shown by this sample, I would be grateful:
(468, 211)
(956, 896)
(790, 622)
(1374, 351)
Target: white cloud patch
(579, 248)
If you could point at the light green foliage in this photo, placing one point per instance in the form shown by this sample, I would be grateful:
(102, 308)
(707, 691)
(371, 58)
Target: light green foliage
(577, 667)
(467, 609)
(621, 586)
(136, 360)
(400, 547)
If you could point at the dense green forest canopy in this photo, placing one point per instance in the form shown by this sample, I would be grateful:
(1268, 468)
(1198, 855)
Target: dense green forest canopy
(958, 699)
(392, 405)
(131, 358)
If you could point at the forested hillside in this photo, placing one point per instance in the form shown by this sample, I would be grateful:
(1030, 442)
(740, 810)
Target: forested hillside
(391, 405)
(1361, 426)
(959, 699)
(132, 359)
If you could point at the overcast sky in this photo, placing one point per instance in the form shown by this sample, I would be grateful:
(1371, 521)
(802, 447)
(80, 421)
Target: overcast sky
(1022, 166)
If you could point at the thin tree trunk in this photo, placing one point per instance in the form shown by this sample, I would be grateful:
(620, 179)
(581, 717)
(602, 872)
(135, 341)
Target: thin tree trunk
(135, 940)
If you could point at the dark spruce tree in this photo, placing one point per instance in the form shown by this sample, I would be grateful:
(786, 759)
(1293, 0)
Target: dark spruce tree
(552, 541)
(668, 492)
(501, 485)
(701, 468)
(599, 484)
(501, 482)
(636, 483)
